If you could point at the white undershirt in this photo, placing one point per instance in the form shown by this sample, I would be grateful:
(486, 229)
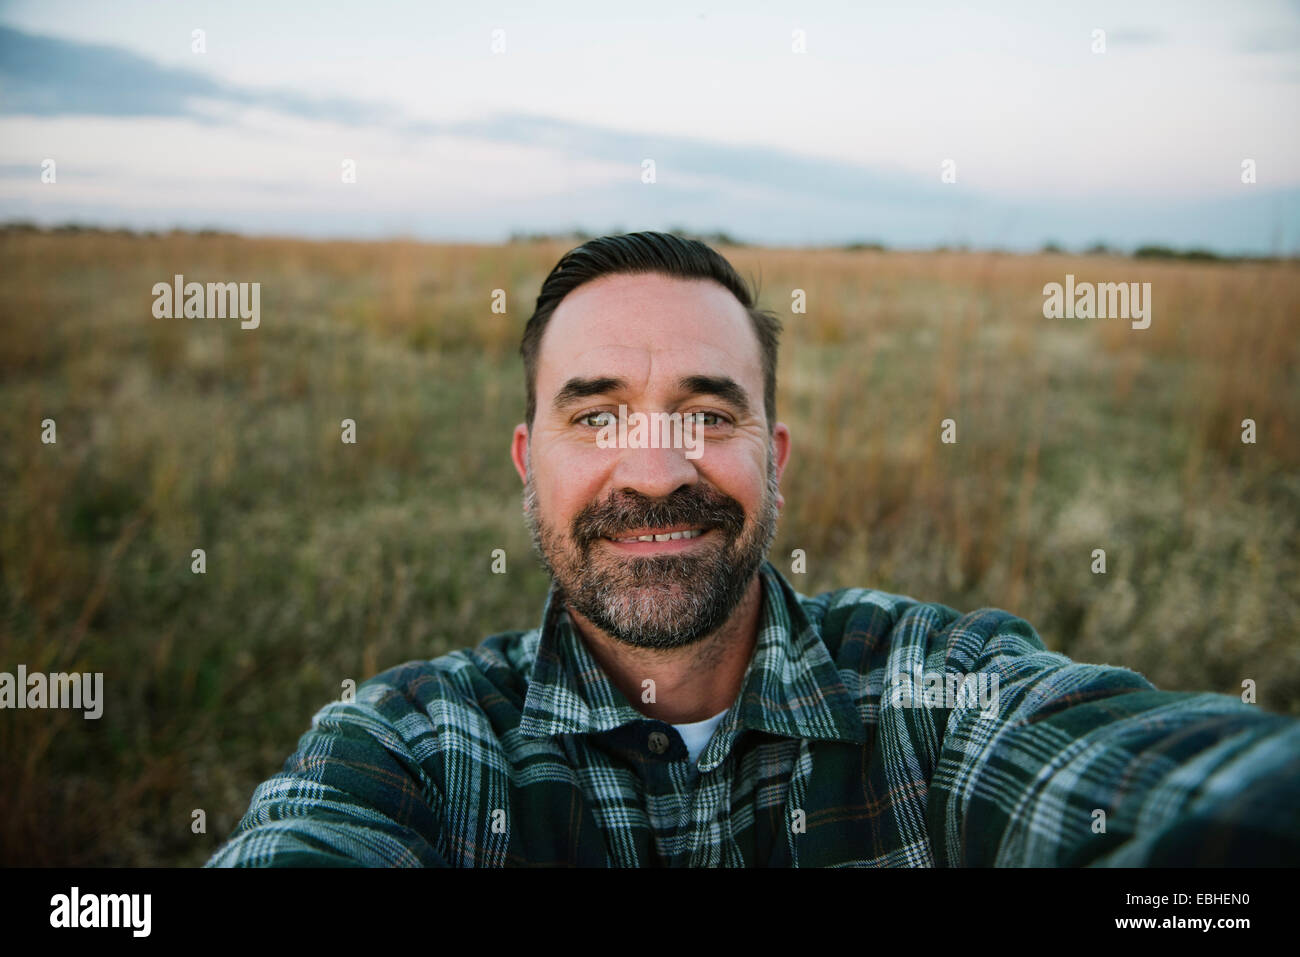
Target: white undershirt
(696, 734)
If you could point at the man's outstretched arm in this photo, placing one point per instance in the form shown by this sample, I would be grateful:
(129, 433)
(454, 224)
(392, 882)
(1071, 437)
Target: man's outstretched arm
(1089, 764)
(350, 796)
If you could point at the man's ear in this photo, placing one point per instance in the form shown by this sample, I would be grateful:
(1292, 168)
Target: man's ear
(519, 451)
(781, 442)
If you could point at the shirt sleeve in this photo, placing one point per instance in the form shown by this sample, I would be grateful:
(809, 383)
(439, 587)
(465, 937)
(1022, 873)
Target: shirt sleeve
(1076, 764)
(351, 795)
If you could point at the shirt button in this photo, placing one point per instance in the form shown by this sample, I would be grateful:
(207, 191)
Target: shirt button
(658, 742)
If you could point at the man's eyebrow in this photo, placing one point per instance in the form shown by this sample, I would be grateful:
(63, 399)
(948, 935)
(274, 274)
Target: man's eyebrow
(724, 387)
(580, 388)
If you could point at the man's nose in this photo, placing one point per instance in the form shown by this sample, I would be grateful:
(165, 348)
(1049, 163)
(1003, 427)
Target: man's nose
(655, 473)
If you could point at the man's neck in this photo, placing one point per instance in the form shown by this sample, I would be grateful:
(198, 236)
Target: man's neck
(690, 683)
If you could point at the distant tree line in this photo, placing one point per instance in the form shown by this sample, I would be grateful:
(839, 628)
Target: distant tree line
(715, 238)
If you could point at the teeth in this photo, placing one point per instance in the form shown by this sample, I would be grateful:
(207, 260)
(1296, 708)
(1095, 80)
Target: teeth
(668, 536)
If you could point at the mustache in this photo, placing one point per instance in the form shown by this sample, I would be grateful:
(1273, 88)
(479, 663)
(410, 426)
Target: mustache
(624, 511)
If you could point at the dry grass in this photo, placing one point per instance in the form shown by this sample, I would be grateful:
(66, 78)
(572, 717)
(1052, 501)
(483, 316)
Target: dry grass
(328, 562)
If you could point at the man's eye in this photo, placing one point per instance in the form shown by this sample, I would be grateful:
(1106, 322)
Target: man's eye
(707, 419)
(593, 419)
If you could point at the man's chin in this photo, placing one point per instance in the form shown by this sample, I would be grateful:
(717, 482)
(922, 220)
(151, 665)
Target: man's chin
(658, 602)
(647, 582)
(653, 622)
(652, 594)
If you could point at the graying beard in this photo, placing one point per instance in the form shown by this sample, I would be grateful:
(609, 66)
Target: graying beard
(647, 618)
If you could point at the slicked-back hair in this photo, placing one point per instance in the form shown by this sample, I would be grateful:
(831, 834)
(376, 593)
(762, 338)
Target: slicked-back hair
(646, 252)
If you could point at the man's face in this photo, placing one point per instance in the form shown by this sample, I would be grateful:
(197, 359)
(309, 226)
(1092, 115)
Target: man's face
(653, 344)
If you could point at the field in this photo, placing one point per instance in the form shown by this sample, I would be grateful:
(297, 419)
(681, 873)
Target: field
(327, 561)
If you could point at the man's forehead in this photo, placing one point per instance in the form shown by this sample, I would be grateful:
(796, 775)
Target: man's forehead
(626, 324)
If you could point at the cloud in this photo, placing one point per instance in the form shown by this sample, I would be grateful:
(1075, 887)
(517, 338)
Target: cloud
(593, 172)
(49, 77)
(45, 76)
(735, 166)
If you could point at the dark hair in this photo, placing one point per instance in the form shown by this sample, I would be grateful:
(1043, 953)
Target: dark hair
(646, 252)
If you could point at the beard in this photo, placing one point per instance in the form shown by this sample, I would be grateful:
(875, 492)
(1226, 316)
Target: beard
(656, 601)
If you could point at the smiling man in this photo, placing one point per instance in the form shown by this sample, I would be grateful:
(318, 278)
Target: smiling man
(680, 704)
(654, 555)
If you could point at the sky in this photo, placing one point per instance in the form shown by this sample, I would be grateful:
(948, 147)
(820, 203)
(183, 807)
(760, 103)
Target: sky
(780, 123)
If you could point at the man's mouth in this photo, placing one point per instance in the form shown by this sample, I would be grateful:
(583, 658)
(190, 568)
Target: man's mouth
(658, 539)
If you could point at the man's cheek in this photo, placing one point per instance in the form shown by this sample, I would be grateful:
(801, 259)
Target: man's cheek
(554, 502)
(565, 498)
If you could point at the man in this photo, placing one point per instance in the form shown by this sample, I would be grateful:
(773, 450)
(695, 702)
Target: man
(681, 705)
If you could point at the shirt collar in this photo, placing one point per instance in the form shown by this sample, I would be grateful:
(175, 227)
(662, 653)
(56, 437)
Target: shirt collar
(791, 687)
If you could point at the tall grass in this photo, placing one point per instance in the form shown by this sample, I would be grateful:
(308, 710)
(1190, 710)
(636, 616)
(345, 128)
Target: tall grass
(327, 561)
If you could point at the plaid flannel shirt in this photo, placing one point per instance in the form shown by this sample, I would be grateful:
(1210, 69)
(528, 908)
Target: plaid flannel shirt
(841, 750)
